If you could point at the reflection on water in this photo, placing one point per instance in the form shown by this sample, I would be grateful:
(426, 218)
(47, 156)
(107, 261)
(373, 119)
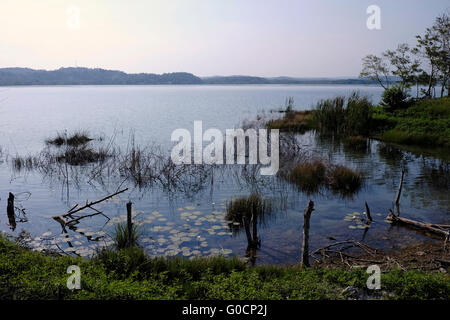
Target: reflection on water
(191, 219)
(182, 210)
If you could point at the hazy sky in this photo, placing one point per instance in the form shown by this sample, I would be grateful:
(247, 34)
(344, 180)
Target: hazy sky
(303, 38)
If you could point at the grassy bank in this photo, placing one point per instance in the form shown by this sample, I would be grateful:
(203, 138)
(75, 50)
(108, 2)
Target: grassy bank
(425, 123)
(130, 274)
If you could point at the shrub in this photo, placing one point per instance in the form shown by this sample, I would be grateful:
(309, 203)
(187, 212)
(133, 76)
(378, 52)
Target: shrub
(394, 98)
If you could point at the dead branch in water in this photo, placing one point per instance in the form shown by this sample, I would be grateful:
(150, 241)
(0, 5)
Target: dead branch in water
(438, 229)
(349, 244)
(399, 192)
(369, 217)
(69, 218)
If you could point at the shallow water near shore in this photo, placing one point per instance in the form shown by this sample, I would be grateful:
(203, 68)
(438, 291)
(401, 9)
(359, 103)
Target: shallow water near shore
(191, 222)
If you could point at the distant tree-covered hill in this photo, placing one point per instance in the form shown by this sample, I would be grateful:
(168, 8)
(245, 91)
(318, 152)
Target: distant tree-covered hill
(86, 76)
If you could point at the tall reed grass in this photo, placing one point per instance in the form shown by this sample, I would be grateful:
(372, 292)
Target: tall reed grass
(344, 116)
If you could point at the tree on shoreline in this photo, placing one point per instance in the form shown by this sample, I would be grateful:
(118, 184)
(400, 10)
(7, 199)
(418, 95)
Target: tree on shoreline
(426, 64)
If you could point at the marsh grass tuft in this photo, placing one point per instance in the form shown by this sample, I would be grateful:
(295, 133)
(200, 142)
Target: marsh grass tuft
(82, 155)
(76, 139)
(21, 163)
(245, 206)
(120, 236)
(312, 176)
(308, 176)
(344, 180)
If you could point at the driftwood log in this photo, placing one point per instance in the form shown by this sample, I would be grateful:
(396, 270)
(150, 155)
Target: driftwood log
(305, 244)
(438, 229)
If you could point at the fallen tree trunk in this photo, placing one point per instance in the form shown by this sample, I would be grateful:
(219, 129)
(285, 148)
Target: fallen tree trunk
(440, 230)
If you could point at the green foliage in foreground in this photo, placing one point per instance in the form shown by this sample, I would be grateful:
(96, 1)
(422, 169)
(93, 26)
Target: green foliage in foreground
(427, 123)
(130, 274)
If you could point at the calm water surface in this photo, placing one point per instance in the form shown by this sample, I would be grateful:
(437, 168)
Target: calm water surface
(191, 222)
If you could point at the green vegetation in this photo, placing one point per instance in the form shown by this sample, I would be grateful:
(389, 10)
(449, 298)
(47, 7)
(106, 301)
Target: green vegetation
(344, 117)
(120, 236)
(425, 64)
(394, 99)
(131, 274)
(308, 176)
(339, 116)
(426, 123)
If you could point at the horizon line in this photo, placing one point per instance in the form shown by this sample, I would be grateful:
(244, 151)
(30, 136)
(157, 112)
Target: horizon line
(200, 76)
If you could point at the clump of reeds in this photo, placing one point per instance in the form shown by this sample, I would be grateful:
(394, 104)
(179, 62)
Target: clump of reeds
(82, 155)
(341, 116)
(142, 166)
(330, 115)
(21, 163)
(311, 176)
(308, 176)
(344, 180)
(121, 236)
(246, 206)
(76, 139)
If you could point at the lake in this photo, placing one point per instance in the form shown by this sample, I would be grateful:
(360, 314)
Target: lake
(190, 220)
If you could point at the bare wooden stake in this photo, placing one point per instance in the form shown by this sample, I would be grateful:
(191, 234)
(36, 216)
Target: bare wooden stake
(11, 212)
(368, 212)
(255, 230)
(305, 245)
(129, 224)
